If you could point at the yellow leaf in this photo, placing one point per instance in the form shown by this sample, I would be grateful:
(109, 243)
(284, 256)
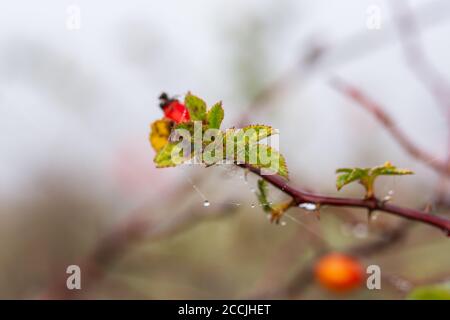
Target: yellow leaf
(160, 132)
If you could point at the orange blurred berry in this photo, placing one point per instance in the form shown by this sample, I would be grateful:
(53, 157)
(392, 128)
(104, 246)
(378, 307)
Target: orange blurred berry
(339, 272)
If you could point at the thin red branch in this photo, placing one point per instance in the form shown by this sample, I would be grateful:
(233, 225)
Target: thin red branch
(378, 112)
(416, 56)
(424, 70)
(373, 204)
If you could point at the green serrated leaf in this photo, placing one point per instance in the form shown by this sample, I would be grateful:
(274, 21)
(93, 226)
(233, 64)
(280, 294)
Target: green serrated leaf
(349, 175)
(269, 159)
(213, 150)
(367, 176)
(388, 169)
(258, 132)
(432, 292)
(247, 150)
(196, 107)
(282, 165)
(170, 156)
(189, 126)
(163, 158)
(263, 194)
(344, 170)
(248, 135)
(215, 116)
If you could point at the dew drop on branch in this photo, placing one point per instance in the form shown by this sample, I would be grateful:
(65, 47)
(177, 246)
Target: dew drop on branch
(308, 206)
(389, 196)
(206, 203)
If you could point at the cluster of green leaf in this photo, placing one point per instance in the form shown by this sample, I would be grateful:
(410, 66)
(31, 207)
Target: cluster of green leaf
(247, 148)
(367, 176)
(246, 140)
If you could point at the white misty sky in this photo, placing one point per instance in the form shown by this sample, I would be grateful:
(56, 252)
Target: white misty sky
(72, 100)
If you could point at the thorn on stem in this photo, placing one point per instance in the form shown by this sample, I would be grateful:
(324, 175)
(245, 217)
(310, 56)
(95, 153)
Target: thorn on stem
(369, 215)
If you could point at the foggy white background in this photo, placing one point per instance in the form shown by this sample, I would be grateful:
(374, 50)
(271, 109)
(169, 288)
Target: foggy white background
(78, 103)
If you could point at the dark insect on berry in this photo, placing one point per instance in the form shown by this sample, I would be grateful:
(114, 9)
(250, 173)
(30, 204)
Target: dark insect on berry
(173, 109)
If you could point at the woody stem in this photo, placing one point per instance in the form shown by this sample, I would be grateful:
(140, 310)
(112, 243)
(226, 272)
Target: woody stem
(372, 204)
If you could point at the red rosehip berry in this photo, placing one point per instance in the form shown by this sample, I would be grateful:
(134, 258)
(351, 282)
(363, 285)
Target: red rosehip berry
(174, 109)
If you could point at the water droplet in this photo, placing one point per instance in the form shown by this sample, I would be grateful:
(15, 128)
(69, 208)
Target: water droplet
(308, 206)
(389, 196)
(252, 205)
(282, 223)
(401, 284)
(206, 203)
(360, 231)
